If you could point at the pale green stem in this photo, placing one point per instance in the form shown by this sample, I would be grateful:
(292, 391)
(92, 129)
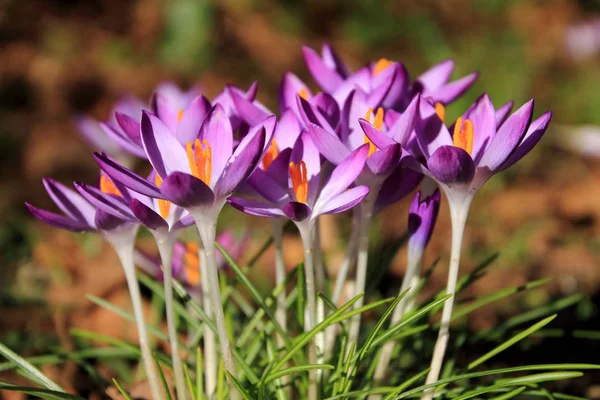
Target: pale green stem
(306, 232)
(207, 231)
(210, 343)
(166, 243)
(459, 210)
(320, 288)
(124, 244)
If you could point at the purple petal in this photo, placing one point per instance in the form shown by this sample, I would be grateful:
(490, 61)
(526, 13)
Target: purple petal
(328, 107)
(70, 202)
(188, 128)
(253, 207)
(310, 114)
(268, 187)
(534, 134)
(287, 130)
(127, 177)
(451, 165)
(400, 183)
(384, 160)
(333, 61)
(123, 141)
(147, 216)
(164, 152)
(405, 124)
(251, 112)
(130, 126)
(327, 78)
(110, 203)
(93, 133)
(398, 85)
(241, 164)
(345, 200)
(184, 222)
(482, 114)
(186, 190)
(279, 168)
(167, 110)
(216, 130)
(431, 131)
(344, 174)
(422, 217)
(450, 92)
(508, 137)
(503, 112)
(328, 144)
(59, 221)
(377, 137)
(305, 150)
(106, 221)
(290, 87)
(437, 75)
(297, 211)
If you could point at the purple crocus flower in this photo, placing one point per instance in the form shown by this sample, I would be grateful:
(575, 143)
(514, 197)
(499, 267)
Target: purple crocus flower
(293, 191)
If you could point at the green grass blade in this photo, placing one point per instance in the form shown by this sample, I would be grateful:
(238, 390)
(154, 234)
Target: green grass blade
(188, 382)
(123, 391)
(292, 370)
(30, 369)
(163, 379)
(509, 395)
(39, 392)
(238, 386)
(539, 378)
(406, 384)
(520, 336)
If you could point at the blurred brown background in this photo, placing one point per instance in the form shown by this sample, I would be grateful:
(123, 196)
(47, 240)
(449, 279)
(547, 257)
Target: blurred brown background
(63, 58)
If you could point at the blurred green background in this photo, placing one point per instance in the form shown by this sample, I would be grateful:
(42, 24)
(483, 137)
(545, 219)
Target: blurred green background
(62, 58)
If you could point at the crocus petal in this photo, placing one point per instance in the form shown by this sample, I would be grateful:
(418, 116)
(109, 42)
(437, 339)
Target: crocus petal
(344, 201)
(503, 112)
(268, 187)
(328, 107)
(398, 86)
(289, 88)
(297, 211)
(130, 126)
(279, 168)
(329, 145)
(422, 216)
(344, 174)
(127, 177)
(405, 124)
(287, 130)
(216, 130)
(186, 190)
(59, 221)
(70, 202)
(333, 61)
(305, 150)
(482, 114)
(437, 75)
(377, 137)
(147, 216)
(310, 114)
(184, 222)
(257, 208)
(107, 202)
(451, 165)
(93, 133)
(106, 221)
(450, 92)
(188, 127)
(508, 137)
(431, 131)
(327, 78)
(383, 161)
(166, 110)
(397, 185)
(241, 164)
(534, 134)
(251, 112)
(165, 153)
(123, 141)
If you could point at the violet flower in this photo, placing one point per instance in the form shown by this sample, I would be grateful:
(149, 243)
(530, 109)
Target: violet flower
(484, 142)
(81, 216)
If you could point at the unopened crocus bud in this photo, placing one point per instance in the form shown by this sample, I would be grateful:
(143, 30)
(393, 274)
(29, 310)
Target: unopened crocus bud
(421, 220)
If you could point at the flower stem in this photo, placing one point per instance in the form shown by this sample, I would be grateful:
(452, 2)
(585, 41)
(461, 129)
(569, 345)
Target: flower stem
(410, 282)
(350, 256)
(366, 215)
(210, 344)
(459, 210)
(207, 235)
(166, 244)
(123, 244)
(306, 232)
(320, 287)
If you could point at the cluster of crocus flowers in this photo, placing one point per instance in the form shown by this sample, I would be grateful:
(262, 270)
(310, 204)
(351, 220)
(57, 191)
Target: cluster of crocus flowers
(365, 142)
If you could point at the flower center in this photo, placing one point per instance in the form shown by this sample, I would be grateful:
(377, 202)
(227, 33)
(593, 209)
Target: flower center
(164, 206)
(303, 93)
(463, 134)
(440, 110)
(179, 115)
(107, 186)
(381, 65)
(270, 155)
(377, 123)
(200, 158)
(299, 181)
(191, 264)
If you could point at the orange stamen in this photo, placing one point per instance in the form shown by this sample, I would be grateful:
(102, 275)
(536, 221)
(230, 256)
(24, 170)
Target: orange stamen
(191, 264)
(299, 181)
(164, 206)
(381, 65)
(463, 134)
(440, 110)
(270, 155)
(303, 93)
(108, 186)
(377, 123)
(200, 159)
(179, 115)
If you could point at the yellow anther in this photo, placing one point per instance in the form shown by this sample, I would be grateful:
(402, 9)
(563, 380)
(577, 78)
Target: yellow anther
(440, 110)
(303, 93)
(463, 134)
(270, 155)
(299, 177)
(108, 186)
(179, 115)
(381, 65)
(164, 206)
(200, 159)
